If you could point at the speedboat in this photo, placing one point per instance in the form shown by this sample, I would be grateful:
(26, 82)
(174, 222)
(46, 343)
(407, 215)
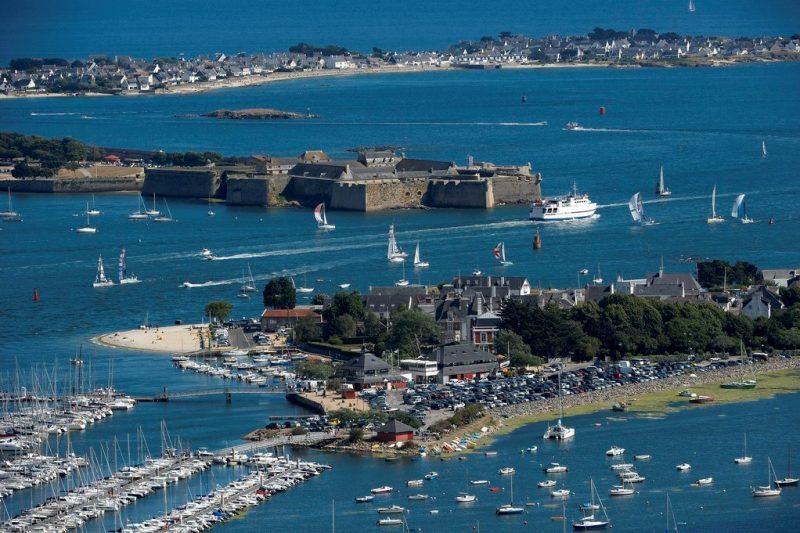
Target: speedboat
(365, 499)
(186, 285)
(386, 489)
(683, 467)
(414, 483)
(703, 481)
(463, 497)
(555, 468)
(546, 483)
(560, 493)
(569, 126)
(431, 475)
(418, 497)
(394, 509)
(532, 449)
(506, 471)
(344, 285)
(390, 522)
(615, 450)
(479, 482)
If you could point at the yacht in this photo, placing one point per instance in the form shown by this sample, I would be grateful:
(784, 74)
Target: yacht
(559, 431)
(365, 499)
(546, 483)
(569, 207)
(569, 126)
(463, 497)
(683, 467)
(555, 468)
(615, 450)
(507, 471)
(382, 490)
(703, 482)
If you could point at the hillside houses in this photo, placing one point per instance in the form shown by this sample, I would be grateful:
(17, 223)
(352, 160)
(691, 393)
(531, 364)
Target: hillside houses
(123, 74)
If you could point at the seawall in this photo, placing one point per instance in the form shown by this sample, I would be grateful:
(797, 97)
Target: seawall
(200, 182)
(295, 398)
(73, 185)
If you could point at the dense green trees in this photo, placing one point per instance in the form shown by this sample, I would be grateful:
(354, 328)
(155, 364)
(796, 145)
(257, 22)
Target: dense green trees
(52, 153)
(715, 274)
(219, 309)
(310, 50)
(312, 369)
(509, 343)
(622, 325)
(307, 329)
(411, 330)
(280, 294)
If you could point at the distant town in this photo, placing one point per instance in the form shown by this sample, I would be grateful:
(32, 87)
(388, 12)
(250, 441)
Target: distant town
(600, 47)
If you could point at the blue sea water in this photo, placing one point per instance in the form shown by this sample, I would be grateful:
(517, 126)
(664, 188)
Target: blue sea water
(704, 125)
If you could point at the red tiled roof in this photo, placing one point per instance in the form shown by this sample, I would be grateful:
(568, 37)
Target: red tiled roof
(288, 313)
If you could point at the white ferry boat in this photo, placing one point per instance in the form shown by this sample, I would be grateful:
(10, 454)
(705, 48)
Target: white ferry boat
(569, 207)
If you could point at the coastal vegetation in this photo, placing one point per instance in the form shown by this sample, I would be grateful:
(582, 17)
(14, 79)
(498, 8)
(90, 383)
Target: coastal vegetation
(716, 274)
(218, 310)
(461, 418)
(620, 326)
(256, 114)
(314, 369)
(280, 293)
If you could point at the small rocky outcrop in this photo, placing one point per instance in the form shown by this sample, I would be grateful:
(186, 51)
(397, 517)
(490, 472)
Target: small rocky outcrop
(256, 114)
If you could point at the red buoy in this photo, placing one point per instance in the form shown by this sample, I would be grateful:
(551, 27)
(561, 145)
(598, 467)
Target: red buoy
(602, 110)
(35, 295)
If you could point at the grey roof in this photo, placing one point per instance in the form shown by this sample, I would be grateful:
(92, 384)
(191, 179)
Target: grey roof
(462, 354)
(384, 303)
(690, 284)
(596, 293)
(422, 165)
(366, 361)
(319, 170)
(395, 426)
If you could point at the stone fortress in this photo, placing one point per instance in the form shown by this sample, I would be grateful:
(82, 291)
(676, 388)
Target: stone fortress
(376, 180)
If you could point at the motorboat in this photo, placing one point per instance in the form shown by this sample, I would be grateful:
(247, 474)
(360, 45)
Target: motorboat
(643, 457)
(560, 493)
(555, 468)
(386, 489)
(683, 467)
(414, 483)
(620, 490)
(463, 497)
(702, 482)
(570, 126)
(546, 483)
(431, 475)
(569, 207)
(365, 499)
(531, 449)
(390, 522)
(416, 497)
(621, 466)
(614, 451)
(479, 482)
(506, 471)
(394, 509)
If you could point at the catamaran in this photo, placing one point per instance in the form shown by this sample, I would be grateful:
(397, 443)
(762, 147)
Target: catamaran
(739, 210)
(559, 431)
(10, 215)
(509, 508)
(418, 262)
(714, 218)
(660, 189)
(322, 220)
(163, 217)
(139, 214)
(590, 521)
(124, 277)
(768, 489)
(395, 254)
(100, 280)
(88, 228)
(500, 254)
(637, 211)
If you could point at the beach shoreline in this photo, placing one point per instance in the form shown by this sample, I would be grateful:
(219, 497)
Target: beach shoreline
(182, 339)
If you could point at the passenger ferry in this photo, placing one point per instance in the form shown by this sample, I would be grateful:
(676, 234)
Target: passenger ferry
(569, 207)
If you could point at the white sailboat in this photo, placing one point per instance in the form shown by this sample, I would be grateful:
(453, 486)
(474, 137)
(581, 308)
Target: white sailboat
(672, 525)
(637, 211)
(418, 262)
(395, 254)
(124, 276)
(768, 490)
(598, 278)
(210, 211)
(100, 279)
(590, 521)
(249, 284)
(322, 220)
(152, 212)
(739, 210)
(660, 189)
(764, 149)
(243, 289)
(691, 6)
(744, 459)
(500, 254)
(140, 213)
(88, 228)
(10, 215)
(714, 218)
(403, 281)
(163, 217)
(93, 212)
(559, 431)
(509, 508)
(305, 289)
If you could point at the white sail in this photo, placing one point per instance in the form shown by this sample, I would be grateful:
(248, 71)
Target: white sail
(738, 207)
(714, 202)
(394, 252)
(418, 262)
(691, 6)
(635, 207)
(123, 266)
(763, 149)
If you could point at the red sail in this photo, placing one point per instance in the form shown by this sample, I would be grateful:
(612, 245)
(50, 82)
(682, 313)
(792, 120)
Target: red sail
(35, 295)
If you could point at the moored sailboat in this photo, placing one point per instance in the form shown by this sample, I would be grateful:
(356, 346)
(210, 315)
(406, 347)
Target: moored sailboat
(744, 459)
(739, 210)
(100, 279)
(124, 276)
(509, 508)
(660, 189)
(714, 218)
(160, 217)
(152, 212)
(559, 431)
(590, 521)
(88, 228)
(9, 214)
(402, 282)
(768, 490)
(140, 213)
(788, 481)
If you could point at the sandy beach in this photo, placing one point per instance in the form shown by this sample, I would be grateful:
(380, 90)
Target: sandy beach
(170, 339)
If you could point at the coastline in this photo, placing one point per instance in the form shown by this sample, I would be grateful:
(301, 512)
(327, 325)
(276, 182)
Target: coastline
(254, 80)
(170, 339)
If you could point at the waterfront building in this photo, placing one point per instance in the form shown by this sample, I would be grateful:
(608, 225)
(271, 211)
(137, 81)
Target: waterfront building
(274, 319)
(366, 370)
(395, 431)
